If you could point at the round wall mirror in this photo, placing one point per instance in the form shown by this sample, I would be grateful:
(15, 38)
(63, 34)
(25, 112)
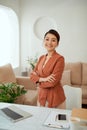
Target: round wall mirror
(42, 25)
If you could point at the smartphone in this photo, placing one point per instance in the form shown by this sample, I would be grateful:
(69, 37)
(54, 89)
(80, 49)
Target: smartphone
(62, 117)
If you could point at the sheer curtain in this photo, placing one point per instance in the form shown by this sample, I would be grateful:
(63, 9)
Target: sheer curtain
(9, 37)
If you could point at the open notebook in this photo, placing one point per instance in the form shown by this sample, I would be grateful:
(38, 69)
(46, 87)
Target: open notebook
(53, 121)
(14, 113)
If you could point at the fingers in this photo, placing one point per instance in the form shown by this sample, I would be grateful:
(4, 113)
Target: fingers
(51, 78)
(33, 73)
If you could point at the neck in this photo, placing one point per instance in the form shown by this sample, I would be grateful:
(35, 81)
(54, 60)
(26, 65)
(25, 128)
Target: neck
(50, 53)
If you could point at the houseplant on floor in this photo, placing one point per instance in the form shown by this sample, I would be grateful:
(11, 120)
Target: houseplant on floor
(9, 92)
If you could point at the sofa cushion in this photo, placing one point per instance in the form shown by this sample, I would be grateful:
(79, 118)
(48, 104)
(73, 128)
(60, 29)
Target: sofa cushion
(84, 91)
(30, 98)
(7, 74)
(20, 99)
(84, 73)
(75, 72)
(66, 77)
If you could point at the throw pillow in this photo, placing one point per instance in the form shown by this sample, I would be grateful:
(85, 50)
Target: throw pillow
(66, 77)
(7, 74)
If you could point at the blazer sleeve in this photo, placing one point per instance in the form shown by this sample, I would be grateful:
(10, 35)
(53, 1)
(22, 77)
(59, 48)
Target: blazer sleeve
(57, 71)
(34, 78)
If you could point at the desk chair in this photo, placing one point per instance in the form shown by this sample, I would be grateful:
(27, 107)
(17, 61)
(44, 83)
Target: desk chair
(73, 97)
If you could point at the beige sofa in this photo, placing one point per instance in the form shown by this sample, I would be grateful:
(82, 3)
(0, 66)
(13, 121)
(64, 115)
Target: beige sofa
(7, 75)
(75, 74)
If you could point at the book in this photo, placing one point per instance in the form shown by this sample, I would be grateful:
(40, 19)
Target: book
(53, 120)
(14, 113)
(79, 114)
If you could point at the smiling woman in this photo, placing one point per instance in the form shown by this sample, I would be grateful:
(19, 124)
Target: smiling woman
(48, 72)
(9, 37)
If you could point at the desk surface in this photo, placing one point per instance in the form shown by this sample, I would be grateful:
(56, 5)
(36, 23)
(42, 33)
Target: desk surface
(36, 121)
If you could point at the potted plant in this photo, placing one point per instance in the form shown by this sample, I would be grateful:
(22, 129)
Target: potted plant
(9, 92)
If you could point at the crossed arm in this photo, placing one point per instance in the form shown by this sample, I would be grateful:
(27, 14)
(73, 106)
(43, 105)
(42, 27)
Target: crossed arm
(50, 78)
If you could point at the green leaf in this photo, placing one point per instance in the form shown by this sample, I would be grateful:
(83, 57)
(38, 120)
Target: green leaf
(10, 91)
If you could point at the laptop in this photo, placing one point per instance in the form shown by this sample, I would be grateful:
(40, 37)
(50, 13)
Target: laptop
(14, 113)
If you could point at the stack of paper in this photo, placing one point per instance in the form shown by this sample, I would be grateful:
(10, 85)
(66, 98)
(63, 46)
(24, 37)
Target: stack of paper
(51, 121)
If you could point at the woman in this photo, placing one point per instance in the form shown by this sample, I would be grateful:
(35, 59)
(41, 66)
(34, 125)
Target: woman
(48, 73)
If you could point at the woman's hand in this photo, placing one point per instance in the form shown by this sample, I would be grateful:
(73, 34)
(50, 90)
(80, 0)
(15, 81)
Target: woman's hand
(34, 73)
(50, 78)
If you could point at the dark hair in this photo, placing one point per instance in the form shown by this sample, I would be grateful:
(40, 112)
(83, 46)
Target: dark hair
(54, 32)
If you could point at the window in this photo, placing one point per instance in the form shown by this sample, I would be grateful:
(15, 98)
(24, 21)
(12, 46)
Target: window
(9, 37)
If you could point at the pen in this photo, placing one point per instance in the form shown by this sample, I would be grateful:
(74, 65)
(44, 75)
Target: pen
(55, 126)
(56, 118)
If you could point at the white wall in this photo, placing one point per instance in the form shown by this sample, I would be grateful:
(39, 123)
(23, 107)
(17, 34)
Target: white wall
(14, 4)
(71, 19)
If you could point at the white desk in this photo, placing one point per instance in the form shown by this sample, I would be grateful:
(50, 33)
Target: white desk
(36, 121)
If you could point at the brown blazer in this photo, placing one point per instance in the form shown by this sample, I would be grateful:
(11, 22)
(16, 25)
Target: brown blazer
(52, 92)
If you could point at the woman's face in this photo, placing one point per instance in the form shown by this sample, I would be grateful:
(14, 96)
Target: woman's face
(50, 42)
